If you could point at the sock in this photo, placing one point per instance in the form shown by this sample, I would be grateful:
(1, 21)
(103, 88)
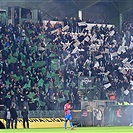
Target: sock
(71, 125)
(65, 124)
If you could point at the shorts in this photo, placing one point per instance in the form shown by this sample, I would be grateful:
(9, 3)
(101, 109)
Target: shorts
(68, 117)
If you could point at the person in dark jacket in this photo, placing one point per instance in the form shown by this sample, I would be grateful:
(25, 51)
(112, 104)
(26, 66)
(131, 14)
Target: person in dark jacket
(24, 114)
(7, 117)
(14, 117)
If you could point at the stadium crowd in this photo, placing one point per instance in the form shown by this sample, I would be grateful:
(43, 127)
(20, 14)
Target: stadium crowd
(40, 64)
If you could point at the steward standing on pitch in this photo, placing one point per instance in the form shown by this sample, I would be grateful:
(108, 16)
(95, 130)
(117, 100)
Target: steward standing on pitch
(24, 113)
(7, 117)
(14, 117)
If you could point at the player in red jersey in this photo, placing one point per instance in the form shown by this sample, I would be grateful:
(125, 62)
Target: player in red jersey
(68, 116)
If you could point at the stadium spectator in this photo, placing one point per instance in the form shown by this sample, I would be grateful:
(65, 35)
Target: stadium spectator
(112, 96)
(84, 117)
(33, 56)
(97, 117)
(65, 21)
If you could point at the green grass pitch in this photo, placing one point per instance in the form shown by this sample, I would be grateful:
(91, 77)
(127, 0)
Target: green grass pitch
(68, 130)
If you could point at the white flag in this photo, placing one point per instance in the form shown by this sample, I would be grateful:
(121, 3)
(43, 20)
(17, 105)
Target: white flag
(123, 42)
(87, 39)
(81, 23)
(111, 33)
(76, 44)
(96, 64)
(67, 57)
(107, 85)
(75, 50)
(65, 28)
(99, 57)
(55, 31)
(125, 60)
(131, 44)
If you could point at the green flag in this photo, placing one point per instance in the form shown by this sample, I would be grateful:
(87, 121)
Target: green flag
(31, 59)
(29, 68)
(40, 82)
(63, 66)
(54, 64)
(23, 57)
(23, 64)
(8, 96)
(46, 87)
(66, 92)
(32, 78)
(4, 15)
(28, 85)
(43, 70)
(55, 47)
(75, 74)
(60, 86)
(42, 36)
(15, 54)
(6, 49)
(31, 95)
(73, 84)
(33, 49)
(27, 39)
(48, 46)
(42, 104)
(54, 74)
(0, 70)
(52, 55)
(35, 99)
(30, 31)
(51, 84)
(21, 77)
(11, 45)
(48, 75)
(7, 82)
(25, 86)
(38, 64)
(60, 100)
(47, 40)
(17, 78)
(12, 92)
(11, 59)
